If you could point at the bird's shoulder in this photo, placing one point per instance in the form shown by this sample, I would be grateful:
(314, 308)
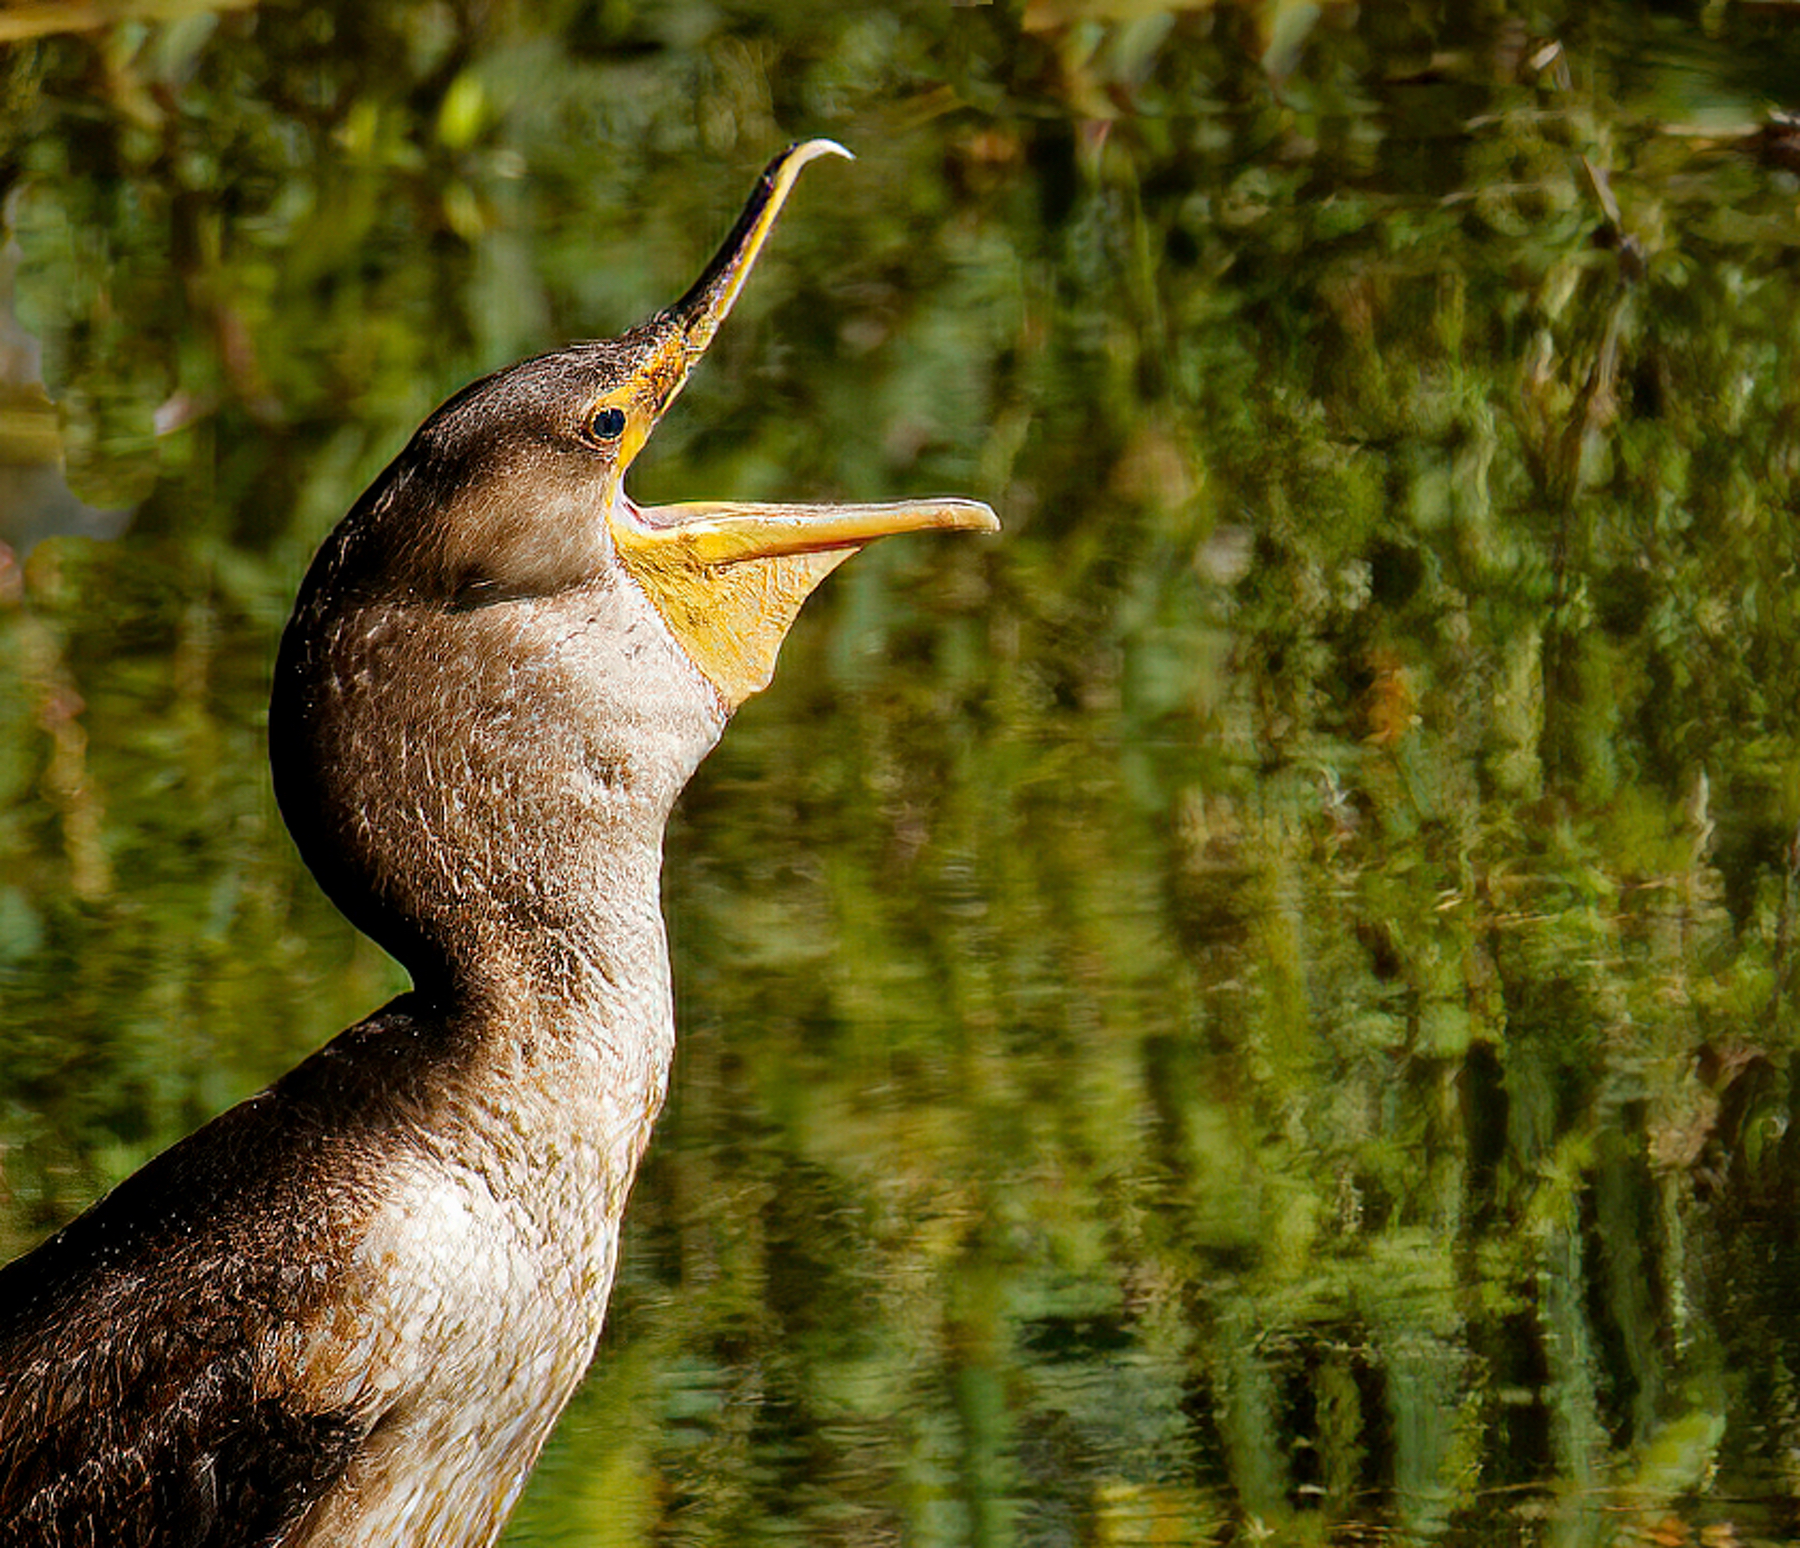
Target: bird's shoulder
(194, 1347)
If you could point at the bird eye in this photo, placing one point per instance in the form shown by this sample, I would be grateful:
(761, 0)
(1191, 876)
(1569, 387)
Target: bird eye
(607, 424)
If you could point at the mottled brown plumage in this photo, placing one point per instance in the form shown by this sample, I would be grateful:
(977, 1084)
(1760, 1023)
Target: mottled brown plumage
(349, 1310)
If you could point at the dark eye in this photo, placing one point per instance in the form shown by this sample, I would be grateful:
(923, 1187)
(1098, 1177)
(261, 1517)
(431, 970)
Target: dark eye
(608, 424)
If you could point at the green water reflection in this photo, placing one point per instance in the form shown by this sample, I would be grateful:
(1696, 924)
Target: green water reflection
(1258, 1005)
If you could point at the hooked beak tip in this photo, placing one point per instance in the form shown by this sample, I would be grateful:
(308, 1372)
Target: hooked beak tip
(803, 151)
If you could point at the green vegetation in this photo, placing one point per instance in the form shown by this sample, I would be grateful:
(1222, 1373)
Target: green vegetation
(1258, 1005)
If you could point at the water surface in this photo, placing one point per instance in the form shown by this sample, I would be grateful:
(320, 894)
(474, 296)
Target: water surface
(1256, 1006)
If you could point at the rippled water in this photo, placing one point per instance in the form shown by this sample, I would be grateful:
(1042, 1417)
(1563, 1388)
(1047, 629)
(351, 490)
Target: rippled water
(1255, 1005)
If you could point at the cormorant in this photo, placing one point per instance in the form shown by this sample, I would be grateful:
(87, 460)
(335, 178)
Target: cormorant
(349, 1310)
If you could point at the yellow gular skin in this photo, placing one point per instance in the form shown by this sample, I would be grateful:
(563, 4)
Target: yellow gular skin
(728, 578)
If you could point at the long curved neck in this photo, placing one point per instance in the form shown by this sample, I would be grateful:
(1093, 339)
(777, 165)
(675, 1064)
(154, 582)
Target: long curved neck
(484, 789)
(573, 1049)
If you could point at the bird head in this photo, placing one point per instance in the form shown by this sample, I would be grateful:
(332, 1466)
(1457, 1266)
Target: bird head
(526, 471)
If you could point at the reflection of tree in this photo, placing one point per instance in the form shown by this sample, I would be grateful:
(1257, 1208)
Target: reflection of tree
(1258, 1002)
(35, 499)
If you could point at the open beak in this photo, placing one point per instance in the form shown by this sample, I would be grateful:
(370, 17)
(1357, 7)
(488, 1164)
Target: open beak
(729, 577)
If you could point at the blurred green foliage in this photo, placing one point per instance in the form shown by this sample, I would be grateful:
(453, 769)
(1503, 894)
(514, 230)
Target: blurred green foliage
(1257, 1005)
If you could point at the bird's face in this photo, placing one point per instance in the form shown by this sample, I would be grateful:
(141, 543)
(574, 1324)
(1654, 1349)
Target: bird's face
(527, 468)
